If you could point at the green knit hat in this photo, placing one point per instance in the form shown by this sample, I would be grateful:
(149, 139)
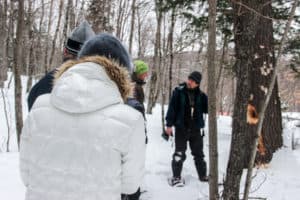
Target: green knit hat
(140, 67)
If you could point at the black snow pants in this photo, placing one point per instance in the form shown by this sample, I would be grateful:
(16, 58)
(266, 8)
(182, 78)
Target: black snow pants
(195, 140)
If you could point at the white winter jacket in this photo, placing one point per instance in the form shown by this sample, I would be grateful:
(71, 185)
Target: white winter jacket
(81, 142)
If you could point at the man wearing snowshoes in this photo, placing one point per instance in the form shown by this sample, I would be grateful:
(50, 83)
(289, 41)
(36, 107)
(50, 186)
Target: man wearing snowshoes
(186, 108)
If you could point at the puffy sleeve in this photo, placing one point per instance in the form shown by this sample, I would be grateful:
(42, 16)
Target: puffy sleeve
(24, 151)
(133, 160)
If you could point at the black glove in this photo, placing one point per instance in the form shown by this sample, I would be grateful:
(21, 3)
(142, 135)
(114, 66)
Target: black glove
(134, 196)
(165, 136)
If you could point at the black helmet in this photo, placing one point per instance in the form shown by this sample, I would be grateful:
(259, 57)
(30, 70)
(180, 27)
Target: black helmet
(109, 46)
(78, 36)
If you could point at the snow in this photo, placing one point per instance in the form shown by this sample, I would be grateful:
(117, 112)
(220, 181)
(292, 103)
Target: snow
(280, 180)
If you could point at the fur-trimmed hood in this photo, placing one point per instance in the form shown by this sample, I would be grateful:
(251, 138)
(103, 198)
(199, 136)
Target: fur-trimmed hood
(89, 84)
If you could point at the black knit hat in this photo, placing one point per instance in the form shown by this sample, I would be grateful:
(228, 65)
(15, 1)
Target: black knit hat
(78, 36)
(109, 46)
(195, 76)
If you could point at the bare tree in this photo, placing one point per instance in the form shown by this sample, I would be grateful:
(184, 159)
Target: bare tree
(56, 32)
(99, 15)
(133, 9)
(3, 40)
(213, 139)
(144, 27)
(67, 16)
(6, 119)
(171, 53)
(31, 60)
(48, 37)
(17, 70)
(157, 59)
(122, 15)
(79, 16)
(245, 23)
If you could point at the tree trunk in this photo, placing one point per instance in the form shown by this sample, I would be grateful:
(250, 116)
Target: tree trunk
(38, 57)
(262, 71)
(31, 62)
(171, 34)
(157, 54)
(133, 8)
(6, 120)
(17, 70)
(72, 15)
(245, 23)
(120, 18)
(79, 15)
(3, 40)
(61, 5)
(48, 38)
(266, 100)
(213, 137)
(67, 17)
(165, 48)
(139, 27)
(98, 15)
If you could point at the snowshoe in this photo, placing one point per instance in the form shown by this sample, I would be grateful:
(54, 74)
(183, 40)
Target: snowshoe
(176, 182)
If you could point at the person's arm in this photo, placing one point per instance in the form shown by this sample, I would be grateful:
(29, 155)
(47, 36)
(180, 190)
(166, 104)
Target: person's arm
(171, 113)
(43, 86)
(24, 151)
(205, 103)
(133, 160)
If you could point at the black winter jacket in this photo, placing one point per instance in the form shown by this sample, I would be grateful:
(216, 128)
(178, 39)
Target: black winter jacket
(44, 86)
(179, 109)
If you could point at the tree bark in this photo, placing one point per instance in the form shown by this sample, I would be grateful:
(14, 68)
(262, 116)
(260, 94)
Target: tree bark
(245, 23)
(99, 15)
(120, 18)
(31, 61)
(48, 37)
(261, 73)
(213, 137)
(3, 40)
(133, 8)
(66, 23)
(265, 101)
(171, 36)
(17, 70)
(6, 120)
(157, 59)
(61, 5)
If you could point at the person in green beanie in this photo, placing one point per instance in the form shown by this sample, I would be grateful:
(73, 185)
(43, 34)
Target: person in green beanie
(139, 78)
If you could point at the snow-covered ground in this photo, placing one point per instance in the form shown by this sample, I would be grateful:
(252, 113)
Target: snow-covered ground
(278, 181)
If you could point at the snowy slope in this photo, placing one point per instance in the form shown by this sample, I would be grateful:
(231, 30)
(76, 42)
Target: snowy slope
(278, 181)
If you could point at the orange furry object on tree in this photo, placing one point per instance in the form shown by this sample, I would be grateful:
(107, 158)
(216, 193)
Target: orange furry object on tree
(252, 116)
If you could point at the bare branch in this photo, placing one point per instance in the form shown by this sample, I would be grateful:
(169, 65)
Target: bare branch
(253, 10)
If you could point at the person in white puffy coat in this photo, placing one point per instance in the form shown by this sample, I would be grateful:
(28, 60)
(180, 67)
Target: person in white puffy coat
(81, 142)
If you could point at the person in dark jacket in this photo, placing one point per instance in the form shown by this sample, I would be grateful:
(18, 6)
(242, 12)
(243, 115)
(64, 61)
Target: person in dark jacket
(73, 45)
(138, 77)
(185, 112)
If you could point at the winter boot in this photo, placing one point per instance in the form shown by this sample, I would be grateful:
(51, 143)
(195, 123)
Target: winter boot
(204, 179)
(176, 182)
